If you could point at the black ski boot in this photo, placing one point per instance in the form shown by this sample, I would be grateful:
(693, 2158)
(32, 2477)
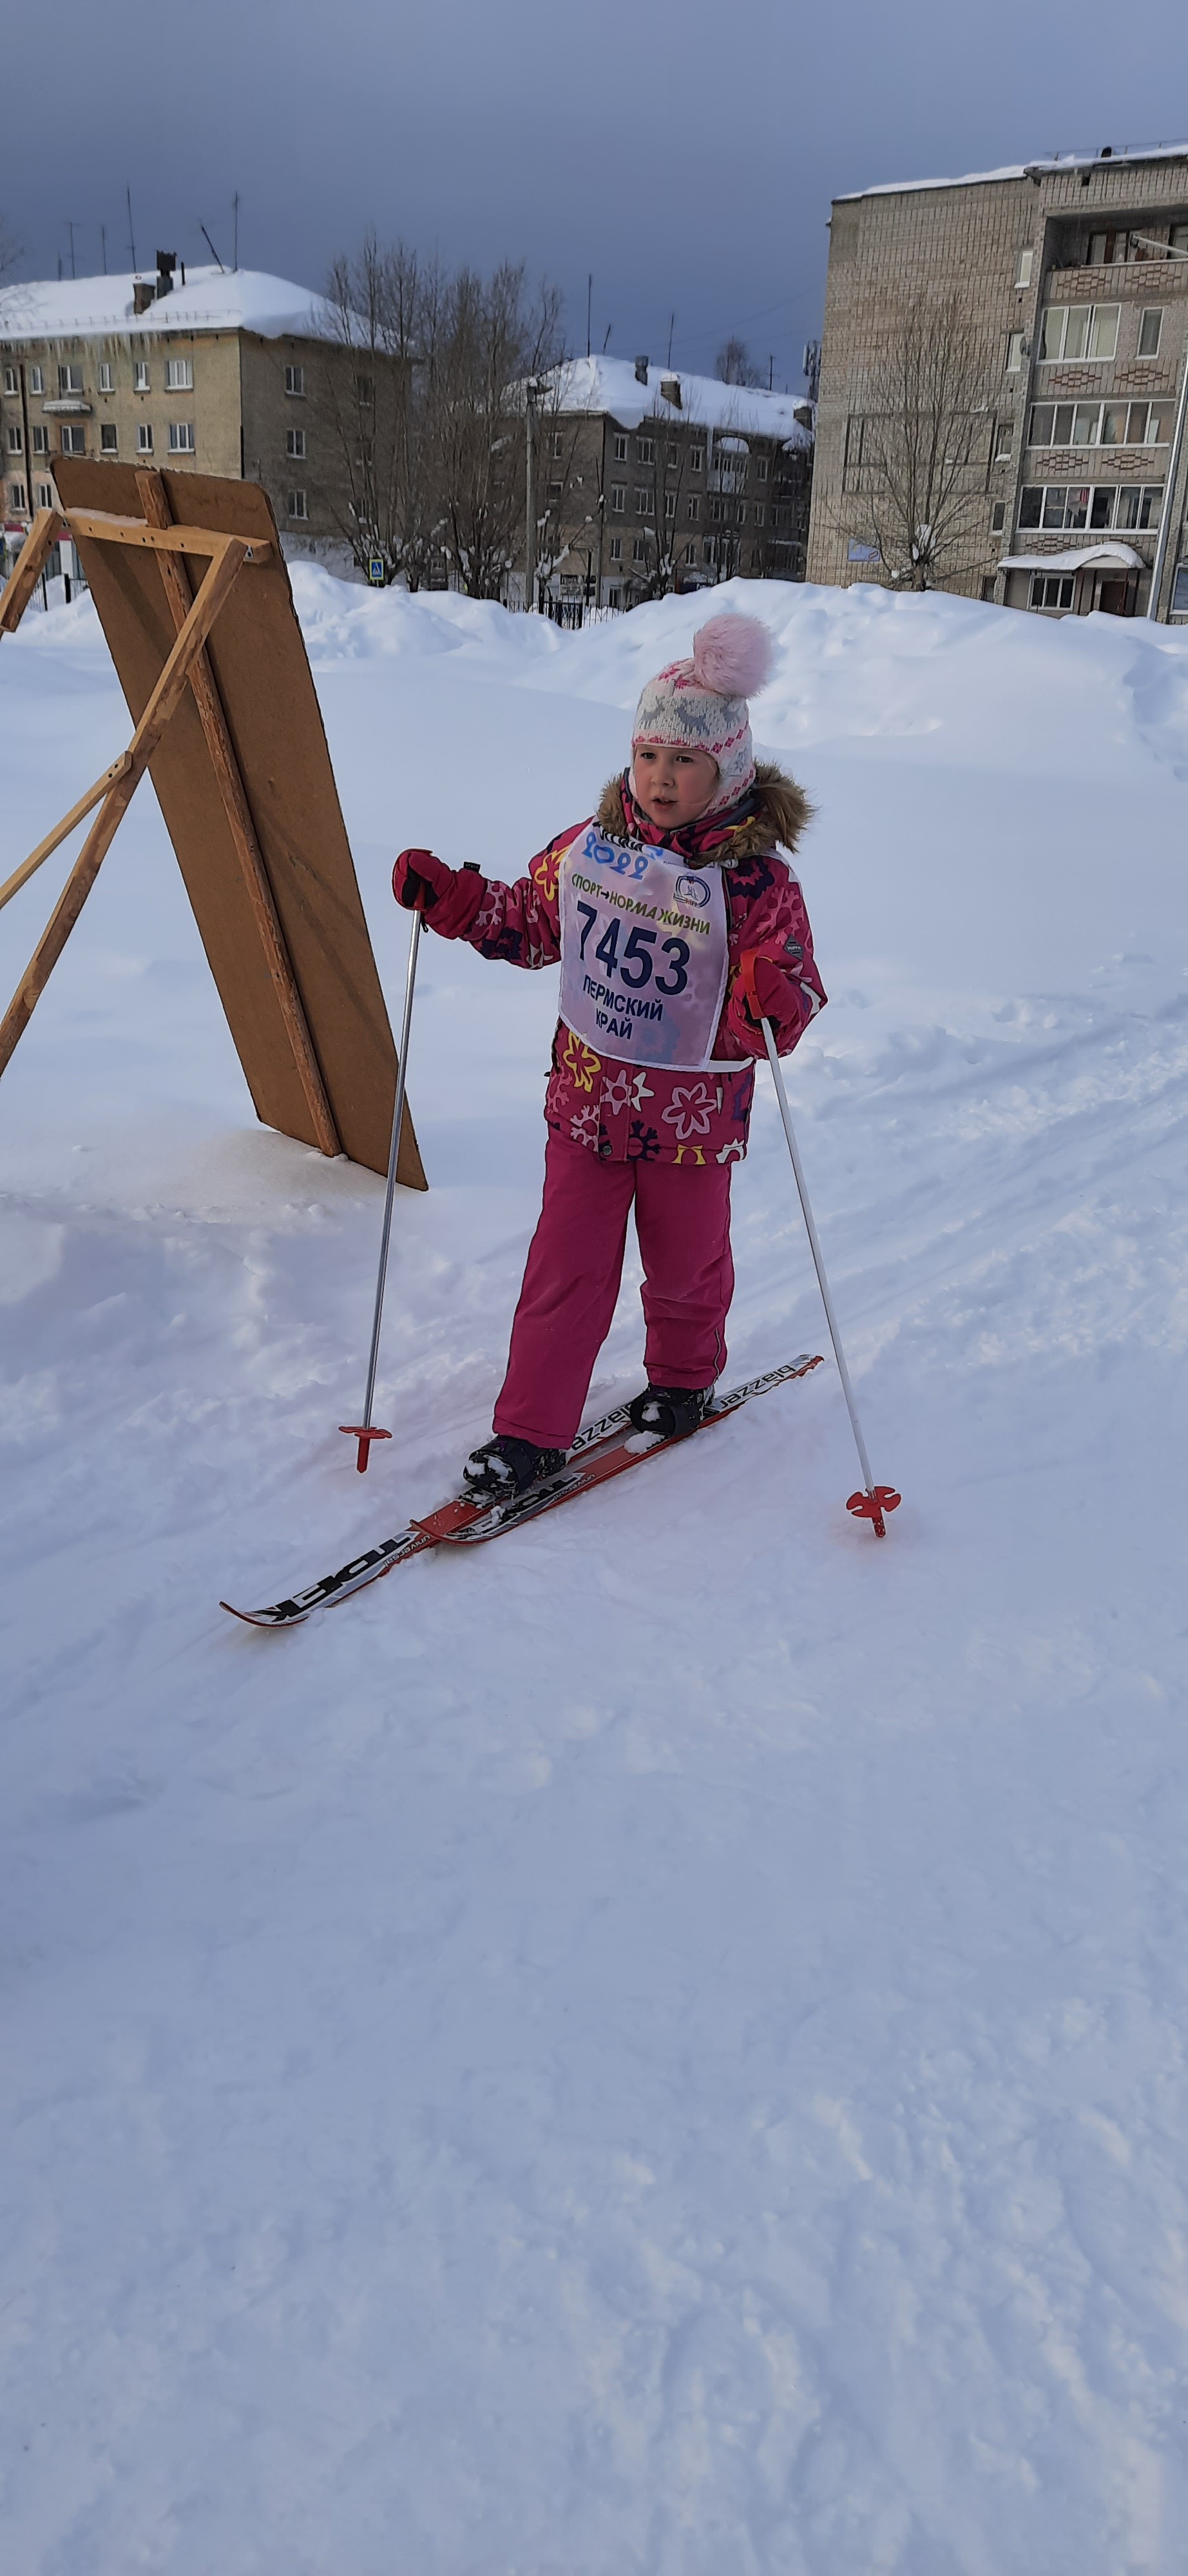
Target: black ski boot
(670, 1411)
(505, 1467)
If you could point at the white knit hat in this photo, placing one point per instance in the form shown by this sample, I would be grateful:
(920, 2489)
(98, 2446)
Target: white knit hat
(701, 704)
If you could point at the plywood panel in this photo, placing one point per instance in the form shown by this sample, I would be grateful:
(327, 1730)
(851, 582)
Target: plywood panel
(258, 659)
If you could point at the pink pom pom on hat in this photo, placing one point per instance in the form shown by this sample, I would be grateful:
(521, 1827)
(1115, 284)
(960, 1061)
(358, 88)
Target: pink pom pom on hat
(701, 704)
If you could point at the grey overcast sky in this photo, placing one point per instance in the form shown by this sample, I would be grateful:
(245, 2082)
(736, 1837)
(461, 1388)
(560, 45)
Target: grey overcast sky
(686, 155)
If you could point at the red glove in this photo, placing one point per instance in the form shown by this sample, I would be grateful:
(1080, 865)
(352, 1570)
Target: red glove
(762, 991)
(424, 884)
(418, 879)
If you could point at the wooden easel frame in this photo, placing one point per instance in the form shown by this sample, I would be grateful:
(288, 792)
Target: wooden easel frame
(188, 666)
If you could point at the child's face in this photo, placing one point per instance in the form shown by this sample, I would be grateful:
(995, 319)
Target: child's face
(672, 785)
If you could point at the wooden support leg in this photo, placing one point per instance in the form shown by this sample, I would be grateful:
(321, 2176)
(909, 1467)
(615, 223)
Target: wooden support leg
(28, 568)
(155, 504)
(61, 831)
(161, 706)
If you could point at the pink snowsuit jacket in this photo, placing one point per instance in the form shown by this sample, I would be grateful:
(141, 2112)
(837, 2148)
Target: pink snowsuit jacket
(623, 1112)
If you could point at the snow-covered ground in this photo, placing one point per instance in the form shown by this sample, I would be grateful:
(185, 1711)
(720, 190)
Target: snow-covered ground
(656, 2048)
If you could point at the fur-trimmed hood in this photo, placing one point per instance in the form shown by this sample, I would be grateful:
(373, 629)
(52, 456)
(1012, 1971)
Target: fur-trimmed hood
(782, 816)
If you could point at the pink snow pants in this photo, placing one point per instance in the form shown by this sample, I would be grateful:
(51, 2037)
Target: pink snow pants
(575, 1263)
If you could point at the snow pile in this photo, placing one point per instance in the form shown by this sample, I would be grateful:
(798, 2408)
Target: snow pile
(656, 2048)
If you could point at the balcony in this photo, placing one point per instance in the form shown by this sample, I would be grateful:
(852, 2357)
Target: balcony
(65, 405)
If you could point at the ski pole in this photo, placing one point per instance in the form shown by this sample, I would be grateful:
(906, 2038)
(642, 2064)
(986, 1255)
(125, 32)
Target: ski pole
(366, 1431)
(874, 1500)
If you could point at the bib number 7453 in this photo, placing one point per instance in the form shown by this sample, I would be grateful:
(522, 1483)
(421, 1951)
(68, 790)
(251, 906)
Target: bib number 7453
(635, 966)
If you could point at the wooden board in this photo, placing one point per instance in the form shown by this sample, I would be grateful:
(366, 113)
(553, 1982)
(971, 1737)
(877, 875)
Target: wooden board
(257, 656)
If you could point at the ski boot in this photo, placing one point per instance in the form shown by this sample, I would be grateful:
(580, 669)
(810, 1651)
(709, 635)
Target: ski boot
(668, 1412)
(504, 1468)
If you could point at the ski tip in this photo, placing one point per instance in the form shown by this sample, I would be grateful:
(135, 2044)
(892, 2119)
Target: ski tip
(251, 1620)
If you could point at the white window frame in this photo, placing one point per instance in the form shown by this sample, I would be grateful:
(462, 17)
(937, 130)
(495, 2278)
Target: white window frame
(144, 438)
(616, 549)
(19, 494)
(670, 499)
(620, 447)
(1179, 597)
(645, 451)
(73, 431)
(106, 376)
(41, 445)
(183, 438)
(1004, 442)
(1014, 355)
(557, 443)
(109, 438)
(45, 496)
(179, 375)
(1088, 356)
(299, 505)
(15, 439)
(295, 383)
(1061, 581)
(1150, 312)
(696, 459)
(70, 378)
(141, 383)
(1023, 272)
(1113, 446)
(295, 444)
(11, 385)
(618, 496)
(36, 381)
(639, 549)
(645, 502)
(762, 468)
(1147, 492)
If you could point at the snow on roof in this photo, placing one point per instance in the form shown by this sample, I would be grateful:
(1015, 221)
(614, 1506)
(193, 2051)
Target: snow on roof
(1059, 162)
(1074, 559)
(611, 385)
(212, 299)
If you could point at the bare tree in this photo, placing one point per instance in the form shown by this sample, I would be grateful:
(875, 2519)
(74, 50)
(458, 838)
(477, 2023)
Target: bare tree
(918, 457)
(734, 364)
(490, 339)
(369, 403)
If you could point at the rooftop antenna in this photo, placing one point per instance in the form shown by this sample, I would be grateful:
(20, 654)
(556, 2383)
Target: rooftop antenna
(211, 248)
(770, 373)
(235, 210)
(589, 303)
(671, 328)
(70, 230)
(606, 342)
(131, 234)
(103, 240)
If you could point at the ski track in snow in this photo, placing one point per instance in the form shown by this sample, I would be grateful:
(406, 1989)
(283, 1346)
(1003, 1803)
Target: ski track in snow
(656, 2048)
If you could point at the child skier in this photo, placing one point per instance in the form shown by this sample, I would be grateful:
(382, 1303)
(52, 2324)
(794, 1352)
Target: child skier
(654, 910)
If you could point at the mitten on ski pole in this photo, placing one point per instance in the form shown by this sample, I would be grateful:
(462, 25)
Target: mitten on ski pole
(762, 991)
(447, 898)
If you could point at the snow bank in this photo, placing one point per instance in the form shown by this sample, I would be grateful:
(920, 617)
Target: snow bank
(654, 2049)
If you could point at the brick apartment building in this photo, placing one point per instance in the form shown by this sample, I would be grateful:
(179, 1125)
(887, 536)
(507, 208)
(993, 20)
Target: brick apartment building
(648, 478)
(1074, 274)
(215, 372)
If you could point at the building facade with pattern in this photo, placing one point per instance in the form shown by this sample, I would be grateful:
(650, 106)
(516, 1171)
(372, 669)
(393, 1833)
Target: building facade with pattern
(1075, 274)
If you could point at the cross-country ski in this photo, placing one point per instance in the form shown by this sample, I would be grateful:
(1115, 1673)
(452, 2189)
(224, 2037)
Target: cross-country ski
(601, 1451)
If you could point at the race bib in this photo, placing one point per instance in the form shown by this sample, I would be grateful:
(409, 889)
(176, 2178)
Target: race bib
(644, 951)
